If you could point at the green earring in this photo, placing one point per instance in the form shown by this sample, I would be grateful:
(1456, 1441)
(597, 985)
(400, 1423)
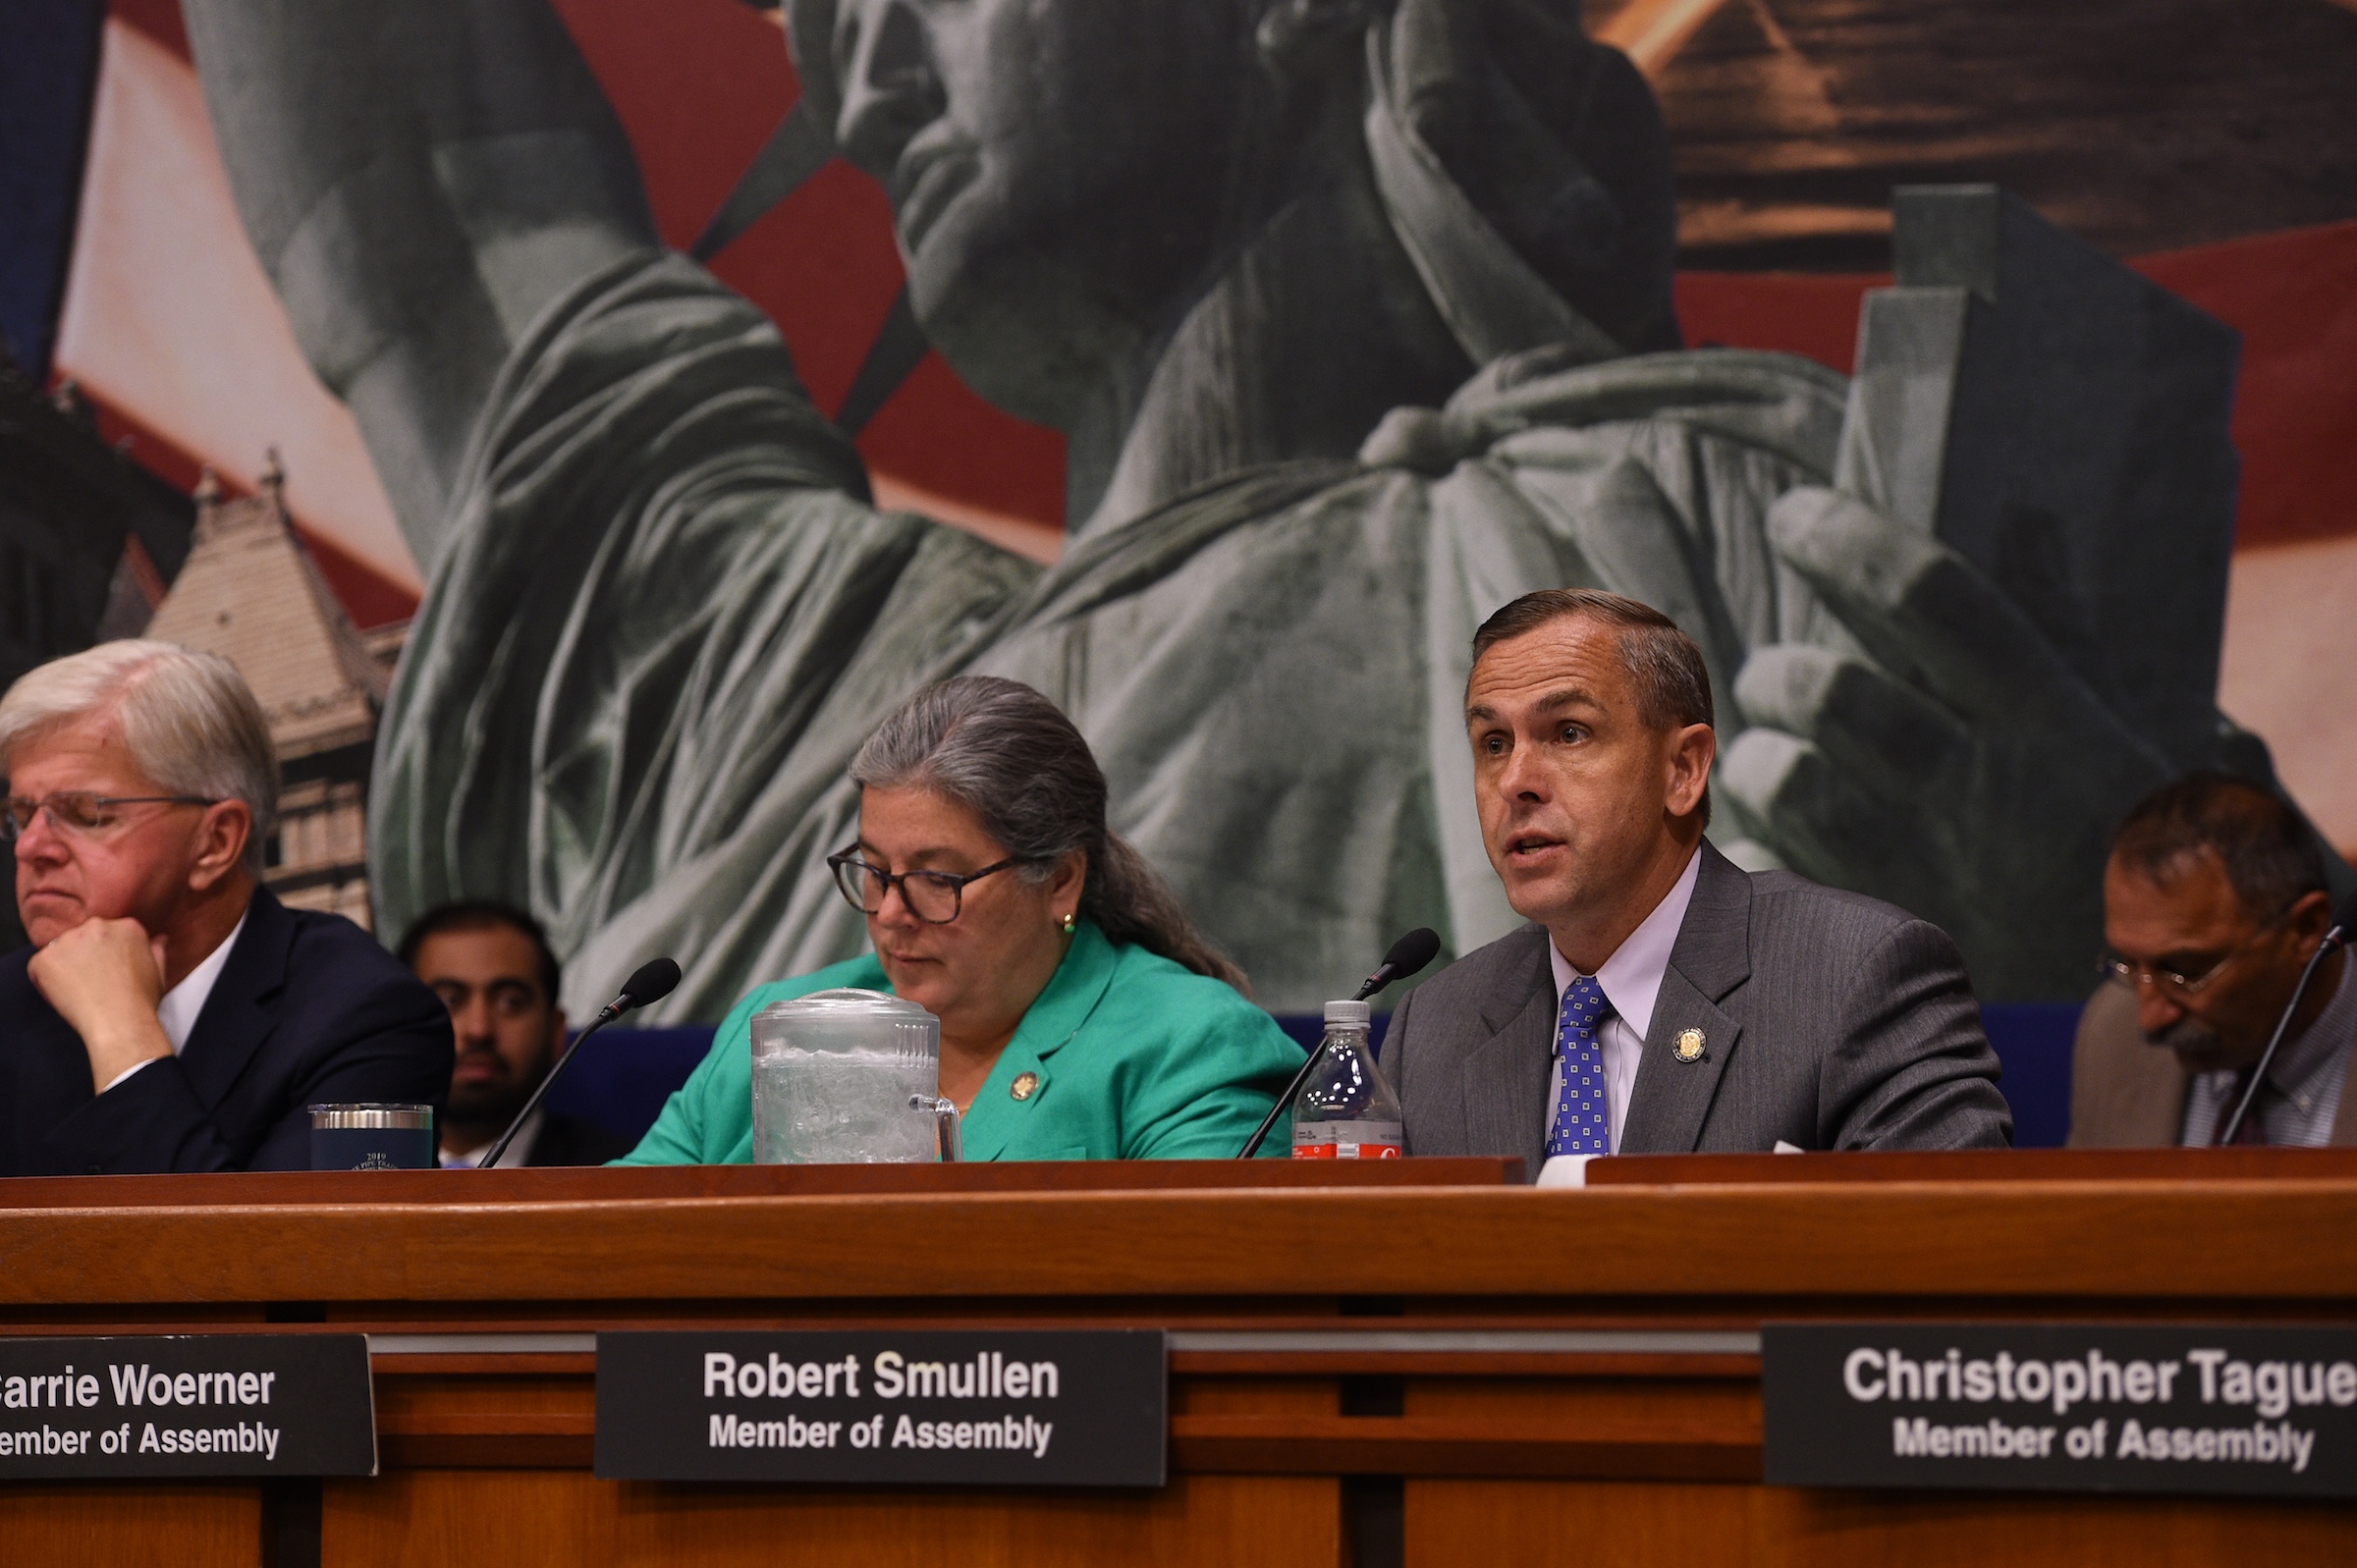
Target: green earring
(1070, 925)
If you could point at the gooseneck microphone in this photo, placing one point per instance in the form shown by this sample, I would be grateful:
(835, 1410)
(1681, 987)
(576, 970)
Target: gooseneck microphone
(1409, 954)
(652, 982)
(2333, 939)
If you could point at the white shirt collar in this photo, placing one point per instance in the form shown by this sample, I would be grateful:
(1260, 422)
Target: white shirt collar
(178, 1011)
(1631, 978)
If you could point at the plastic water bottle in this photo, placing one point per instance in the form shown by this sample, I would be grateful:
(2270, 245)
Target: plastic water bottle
(1347, 1111)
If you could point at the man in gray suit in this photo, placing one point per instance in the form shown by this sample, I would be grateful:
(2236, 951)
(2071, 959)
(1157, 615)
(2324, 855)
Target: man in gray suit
(1663, 1000)
(2215, 900)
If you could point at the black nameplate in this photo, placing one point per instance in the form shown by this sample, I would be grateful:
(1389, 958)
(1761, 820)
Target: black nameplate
(186, 1405)
(1029, 1407)
(2054, 1407)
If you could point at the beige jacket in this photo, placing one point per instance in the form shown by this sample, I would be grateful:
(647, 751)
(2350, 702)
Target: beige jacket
(2126, 1094)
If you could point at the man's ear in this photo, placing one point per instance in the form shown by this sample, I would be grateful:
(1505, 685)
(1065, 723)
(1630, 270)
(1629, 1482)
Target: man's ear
(1692, 753)
(2310, 915)
(221, 839)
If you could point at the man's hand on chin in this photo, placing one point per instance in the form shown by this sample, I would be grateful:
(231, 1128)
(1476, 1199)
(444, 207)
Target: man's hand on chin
(106, 978)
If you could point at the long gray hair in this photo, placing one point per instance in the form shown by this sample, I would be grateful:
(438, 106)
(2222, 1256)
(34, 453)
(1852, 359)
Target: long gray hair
(1011, 757)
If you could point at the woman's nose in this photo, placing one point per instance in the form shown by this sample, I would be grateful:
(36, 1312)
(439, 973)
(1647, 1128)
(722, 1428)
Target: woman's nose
(894, 910)
(890, 89)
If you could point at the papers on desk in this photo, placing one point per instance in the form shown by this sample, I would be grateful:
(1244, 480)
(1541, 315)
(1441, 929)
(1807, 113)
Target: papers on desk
(1565, 1171)
(1571, 1170)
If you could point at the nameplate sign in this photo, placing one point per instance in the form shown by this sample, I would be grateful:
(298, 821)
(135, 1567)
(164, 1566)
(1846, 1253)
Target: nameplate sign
(1017, 1408)
(2052, 1407)
(185, 1405)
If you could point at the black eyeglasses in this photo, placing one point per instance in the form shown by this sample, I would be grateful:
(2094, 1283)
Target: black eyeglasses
(933, 896)
(78, 811)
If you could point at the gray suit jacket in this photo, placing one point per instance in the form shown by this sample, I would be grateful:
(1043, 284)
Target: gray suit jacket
(2126, 1093)
(1829, 1020)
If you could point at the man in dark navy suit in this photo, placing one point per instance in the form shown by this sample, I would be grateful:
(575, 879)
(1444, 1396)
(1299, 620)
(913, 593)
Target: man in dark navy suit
(171, 1014)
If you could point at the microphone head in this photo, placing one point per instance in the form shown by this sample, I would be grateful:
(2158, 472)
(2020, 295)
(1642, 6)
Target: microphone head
(1412, 952)
(652, 982)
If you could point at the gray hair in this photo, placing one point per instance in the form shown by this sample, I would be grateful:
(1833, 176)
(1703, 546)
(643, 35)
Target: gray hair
(189, 721)
(1011, 757)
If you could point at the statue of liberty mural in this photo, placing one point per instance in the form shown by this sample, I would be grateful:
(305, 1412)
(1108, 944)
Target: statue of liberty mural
(1356, 316)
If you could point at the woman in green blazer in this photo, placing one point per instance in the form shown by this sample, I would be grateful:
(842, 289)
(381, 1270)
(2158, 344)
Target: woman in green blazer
(1082, 1017)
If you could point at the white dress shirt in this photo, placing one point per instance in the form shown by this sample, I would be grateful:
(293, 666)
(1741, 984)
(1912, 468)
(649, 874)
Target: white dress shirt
(1631, 978)
(178, 1011)
(516, 1152)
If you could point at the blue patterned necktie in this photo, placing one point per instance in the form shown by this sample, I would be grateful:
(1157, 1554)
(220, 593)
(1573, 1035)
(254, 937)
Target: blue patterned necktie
(1582, 1124)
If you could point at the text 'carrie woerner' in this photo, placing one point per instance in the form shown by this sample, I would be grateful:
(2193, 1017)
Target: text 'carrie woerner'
(185, 1405)
(137, 1386)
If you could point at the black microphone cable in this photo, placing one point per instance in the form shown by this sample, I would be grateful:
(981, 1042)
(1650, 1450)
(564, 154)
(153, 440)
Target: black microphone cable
(2333, 939)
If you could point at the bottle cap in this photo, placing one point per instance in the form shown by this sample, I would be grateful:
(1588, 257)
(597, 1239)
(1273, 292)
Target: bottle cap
(1356, 1014)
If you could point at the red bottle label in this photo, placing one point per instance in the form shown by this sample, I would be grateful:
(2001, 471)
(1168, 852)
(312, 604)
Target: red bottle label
(1346, 1140)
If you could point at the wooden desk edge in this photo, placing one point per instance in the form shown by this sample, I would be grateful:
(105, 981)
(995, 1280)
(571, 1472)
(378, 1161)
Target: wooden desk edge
(2176, 1240)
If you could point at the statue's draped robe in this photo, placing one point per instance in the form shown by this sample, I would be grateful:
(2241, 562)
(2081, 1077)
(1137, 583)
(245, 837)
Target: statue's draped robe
(667, 616)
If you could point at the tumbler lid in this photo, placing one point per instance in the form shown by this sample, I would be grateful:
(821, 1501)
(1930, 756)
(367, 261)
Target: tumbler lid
(372, 1114)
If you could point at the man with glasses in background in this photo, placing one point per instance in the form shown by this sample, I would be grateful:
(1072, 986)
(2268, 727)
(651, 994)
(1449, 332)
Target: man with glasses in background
(171, 1014)
(2214, 901)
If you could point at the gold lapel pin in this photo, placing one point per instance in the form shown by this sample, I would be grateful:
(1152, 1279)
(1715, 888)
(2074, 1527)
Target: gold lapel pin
(1025, 1085)
(1689, 1046)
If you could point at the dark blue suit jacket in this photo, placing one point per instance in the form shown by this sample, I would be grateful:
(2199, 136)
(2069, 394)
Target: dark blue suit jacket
(308, 1009)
